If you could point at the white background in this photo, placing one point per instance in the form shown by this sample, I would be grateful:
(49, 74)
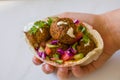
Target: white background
(15, 56)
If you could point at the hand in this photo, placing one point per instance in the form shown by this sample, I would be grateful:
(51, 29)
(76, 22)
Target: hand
(107, 25)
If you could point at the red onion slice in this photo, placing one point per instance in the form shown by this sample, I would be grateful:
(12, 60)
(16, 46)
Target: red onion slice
(61, 51)
(42, 55)
(54, 42)
(69, 53)
(76, 21)
(72, 50)
(39, 54)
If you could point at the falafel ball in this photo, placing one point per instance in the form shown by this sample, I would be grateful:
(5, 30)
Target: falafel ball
(38, 38)
(84, 48)
(64, 30)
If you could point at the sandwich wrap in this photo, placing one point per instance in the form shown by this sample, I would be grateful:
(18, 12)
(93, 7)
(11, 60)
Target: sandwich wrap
(91, 56)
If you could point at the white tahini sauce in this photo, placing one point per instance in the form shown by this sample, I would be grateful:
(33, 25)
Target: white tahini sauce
(87, 44)
(28, 27)
(41, 30)
(61, 22)
(70, 32)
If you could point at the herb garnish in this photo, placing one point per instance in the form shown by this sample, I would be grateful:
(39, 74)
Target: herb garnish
(74, 45)
(49, 21)
(39, 24)
(83, 29)
(33, 30)
(36, 26)
(85, 38)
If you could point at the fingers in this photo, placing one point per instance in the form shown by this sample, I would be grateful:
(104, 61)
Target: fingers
(77, 71)
(63, 73)
(45, 67)
(96, 64)
(84, 70)
(36, 61)
(48, 68)
(101, 60)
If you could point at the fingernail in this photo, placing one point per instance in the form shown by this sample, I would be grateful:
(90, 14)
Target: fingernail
(36, 61)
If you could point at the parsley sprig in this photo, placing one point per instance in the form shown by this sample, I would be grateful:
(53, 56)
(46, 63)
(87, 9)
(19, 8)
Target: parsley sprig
(36, 26)
(49, 21)
(85, 39)
(40, 24)
(33, 30)
(83, 29)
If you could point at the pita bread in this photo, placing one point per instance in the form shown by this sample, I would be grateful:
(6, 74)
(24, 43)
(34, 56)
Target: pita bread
(91, 56)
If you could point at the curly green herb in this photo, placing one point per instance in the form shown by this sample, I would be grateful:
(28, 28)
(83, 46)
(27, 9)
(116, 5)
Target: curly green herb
(49, 21)
(33, 30)
(85, 39)
(40, 24)
(36, 26)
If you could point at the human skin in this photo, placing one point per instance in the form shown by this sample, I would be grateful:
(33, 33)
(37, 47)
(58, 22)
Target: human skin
(108, 25)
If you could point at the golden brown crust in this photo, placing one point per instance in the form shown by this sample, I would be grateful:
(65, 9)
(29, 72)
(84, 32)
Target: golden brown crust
(60, 31)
